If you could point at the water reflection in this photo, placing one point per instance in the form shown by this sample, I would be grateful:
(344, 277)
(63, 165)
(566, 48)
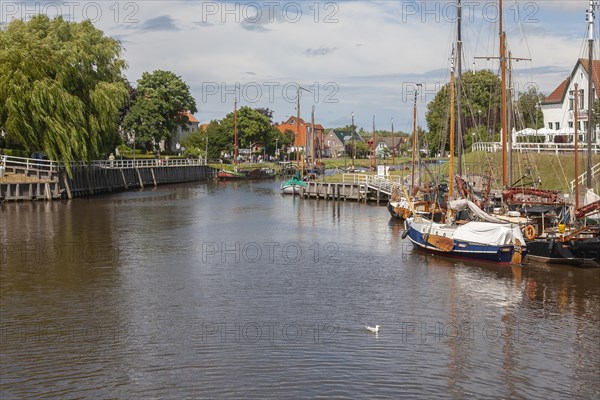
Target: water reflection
(160, 293)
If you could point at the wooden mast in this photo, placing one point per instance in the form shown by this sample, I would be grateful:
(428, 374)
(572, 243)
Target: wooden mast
(576, 126)
(459, 134)
(590, 94)
(414, 141)
(235, 138)
(393, 146)
(451, 167)
(374, 139)
(503, 96)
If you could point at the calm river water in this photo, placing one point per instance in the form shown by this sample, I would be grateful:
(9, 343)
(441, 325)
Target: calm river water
(231, 290)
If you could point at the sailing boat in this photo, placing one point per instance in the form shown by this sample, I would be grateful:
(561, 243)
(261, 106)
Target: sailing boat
(561, 244)
(235, 174)
(489, 241)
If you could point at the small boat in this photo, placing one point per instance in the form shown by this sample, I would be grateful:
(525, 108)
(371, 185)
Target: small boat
(551, 251)
(261, 173)
(399, 209)
(226, 175)
(293, 185)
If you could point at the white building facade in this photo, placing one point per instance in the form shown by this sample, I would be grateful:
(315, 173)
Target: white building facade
(559, 107)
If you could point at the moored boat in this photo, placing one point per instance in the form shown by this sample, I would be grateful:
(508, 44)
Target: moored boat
(293, 186)
(230, 175)
(474, 240)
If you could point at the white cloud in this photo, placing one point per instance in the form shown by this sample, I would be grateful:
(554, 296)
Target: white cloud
(373, 52)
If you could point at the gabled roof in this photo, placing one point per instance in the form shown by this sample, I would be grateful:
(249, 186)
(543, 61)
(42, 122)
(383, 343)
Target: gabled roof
(292, 121)
(558, 95)
(191, 118)
(338, 134)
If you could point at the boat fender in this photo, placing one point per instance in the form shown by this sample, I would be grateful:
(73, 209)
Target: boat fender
(530, 232)
(405, 234)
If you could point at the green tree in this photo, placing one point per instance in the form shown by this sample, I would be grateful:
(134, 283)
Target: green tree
(480, 106)
(61, 87)
(162, 98)
(528, 112)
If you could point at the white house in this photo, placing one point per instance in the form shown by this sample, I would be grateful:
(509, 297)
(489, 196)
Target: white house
(558, 107)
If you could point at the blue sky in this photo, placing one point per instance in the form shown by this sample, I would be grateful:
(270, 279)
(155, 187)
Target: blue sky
(351, 56)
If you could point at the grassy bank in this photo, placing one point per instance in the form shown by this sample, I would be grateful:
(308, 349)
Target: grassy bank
(555, 171)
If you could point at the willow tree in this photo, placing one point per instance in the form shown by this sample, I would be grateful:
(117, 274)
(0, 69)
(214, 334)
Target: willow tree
(61, 87)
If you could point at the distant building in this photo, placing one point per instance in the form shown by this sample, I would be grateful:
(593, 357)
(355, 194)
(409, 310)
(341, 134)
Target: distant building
(333, 144)
(558, 107)
(190, 126)
(300, 130)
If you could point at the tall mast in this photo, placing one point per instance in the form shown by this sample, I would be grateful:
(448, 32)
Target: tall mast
(312, 135)
(374, 138)
(297, 139)
(235, 138)
(590, 94)
(509, 124)
(503, 96)
(353, 151)
(576, 126)
(414, 140)
(451, 167)
(393, 146)
(459, 136)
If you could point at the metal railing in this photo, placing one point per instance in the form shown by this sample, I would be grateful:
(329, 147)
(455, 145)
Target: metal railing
(583, 177)
(34, 164)
(495, 147)
(385, 184)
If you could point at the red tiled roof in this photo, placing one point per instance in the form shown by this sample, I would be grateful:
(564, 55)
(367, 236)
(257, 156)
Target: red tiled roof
(191, 118)
(595, 72)
(558, 95)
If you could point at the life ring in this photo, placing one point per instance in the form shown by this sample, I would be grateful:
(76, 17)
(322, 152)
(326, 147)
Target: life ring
(530, 232)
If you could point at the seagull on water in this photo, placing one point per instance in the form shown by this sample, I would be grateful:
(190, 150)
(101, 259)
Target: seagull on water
(373, 329)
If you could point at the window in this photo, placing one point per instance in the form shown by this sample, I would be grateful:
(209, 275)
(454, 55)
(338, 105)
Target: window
(581, 99)
(570, 124)
(557, 125)
(571, 99)
(549, 125)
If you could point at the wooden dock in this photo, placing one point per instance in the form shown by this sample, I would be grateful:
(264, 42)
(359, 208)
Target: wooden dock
(32, 179)
(356, 187)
